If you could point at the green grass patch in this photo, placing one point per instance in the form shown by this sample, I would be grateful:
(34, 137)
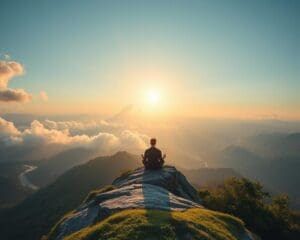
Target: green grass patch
(125, 173)
(54, 230)
(89, 197)
(155, 224)
(94, 193)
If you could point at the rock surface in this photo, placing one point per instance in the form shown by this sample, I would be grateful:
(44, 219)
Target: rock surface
(164, 189)
(168, 178)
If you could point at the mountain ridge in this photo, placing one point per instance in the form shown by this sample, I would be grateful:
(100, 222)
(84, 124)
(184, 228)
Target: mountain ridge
(49, 204)
(165, 191)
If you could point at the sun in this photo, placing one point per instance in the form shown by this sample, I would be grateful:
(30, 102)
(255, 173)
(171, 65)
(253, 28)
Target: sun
(153, 97)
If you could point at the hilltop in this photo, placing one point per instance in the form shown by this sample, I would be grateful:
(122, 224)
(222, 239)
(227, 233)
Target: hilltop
(143, 204)
(46, 206)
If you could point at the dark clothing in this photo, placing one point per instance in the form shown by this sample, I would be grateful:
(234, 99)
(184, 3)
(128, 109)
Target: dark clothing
(153, 158)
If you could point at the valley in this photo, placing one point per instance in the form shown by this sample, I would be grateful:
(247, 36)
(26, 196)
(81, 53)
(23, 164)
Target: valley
(24, 179)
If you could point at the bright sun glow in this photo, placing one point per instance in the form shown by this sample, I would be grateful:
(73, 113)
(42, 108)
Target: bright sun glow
(153, 97)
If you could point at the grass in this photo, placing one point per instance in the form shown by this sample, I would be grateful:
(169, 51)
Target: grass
(125, 173)
(54, 230)
(94, 193)
(90, 196)
(163, 225)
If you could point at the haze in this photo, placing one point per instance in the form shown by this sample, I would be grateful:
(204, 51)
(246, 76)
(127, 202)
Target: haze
(216, 82)
(207, 58)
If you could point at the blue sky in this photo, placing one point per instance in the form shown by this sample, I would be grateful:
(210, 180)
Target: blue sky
(239, 53)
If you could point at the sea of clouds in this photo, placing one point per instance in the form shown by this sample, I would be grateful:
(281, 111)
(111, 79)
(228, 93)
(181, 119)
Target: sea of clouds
(57, 137)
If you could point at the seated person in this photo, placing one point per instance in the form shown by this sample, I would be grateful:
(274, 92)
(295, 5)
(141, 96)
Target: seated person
(153, 159)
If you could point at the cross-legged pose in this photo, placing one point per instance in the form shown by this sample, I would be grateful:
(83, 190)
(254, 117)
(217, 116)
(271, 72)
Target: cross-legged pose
(153, 159)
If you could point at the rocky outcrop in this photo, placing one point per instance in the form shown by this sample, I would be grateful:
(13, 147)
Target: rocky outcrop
(165, 189)
(168, 178)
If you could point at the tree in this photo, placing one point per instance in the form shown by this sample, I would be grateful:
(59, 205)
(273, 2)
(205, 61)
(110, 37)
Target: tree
(247, 200)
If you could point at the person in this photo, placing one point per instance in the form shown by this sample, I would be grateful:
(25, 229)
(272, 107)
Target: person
(153, 159)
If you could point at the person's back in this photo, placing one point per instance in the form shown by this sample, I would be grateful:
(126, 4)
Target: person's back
(153, 159)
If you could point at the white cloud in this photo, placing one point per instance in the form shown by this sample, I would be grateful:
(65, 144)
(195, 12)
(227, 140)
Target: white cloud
(70, 125)
(58, 133)
(8, 128)
(6, 56)
(81, 125)
(44, 96)
(131, 140)
(14, 95)
(8, 132)
(8, 70)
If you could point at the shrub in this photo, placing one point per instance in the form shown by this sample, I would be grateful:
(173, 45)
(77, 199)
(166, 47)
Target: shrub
(248, 200)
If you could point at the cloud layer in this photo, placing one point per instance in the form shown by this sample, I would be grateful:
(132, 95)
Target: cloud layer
(58, 133)
(8, 70)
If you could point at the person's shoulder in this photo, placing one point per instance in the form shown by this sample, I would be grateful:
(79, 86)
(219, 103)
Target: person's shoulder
(148, 149)
(157, 149)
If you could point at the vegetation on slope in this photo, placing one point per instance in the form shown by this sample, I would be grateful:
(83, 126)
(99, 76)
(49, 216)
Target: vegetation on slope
(94, 193)
(50, 169)
(269, 218)
(38, 213)
(11, 190)
(154, 224)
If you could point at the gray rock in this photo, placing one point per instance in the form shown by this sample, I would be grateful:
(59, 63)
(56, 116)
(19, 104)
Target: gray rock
(164, 189)
(80, 219)
(140, 196)
(168, 177)
(250, 236)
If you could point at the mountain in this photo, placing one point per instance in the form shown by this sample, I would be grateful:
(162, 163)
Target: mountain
(275, 145)
(272, 159)
(141, 204)
(34, 216)
(50, 169)
(46, 206)
(241, 159)
(209, 176)
(11, 190)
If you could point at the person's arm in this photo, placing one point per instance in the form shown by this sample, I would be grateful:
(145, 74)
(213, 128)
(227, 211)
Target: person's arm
(144, 156)
(161, 158)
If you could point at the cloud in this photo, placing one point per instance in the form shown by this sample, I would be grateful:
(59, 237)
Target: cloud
(8, 128)
(44, 96)
(70, 125)
(89, 127)
(8, 132)
(103, 140)
(8, 70)
(38, 134)
(131, 140)
(6, 56)
(14, 95)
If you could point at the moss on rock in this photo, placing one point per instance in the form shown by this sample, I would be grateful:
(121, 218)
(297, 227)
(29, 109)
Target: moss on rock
(155, 224)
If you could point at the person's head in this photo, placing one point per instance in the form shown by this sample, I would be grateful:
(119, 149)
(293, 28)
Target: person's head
(153, 142)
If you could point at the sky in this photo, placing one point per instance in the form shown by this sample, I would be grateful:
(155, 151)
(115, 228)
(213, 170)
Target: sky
(237, 59)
